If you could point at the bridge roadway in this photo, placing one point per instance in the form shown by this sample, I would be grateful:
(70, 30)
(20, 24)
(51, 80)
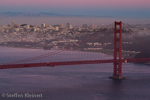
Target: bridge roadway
(52, 64)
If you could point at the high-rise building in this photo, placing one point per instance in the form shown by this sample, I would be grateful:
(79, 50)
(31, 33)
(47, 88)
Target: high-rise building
(70, 27)
(95, 26)
(67, 25)
(92, 26)
(84, 26)
(34, 29)
(28, 26)
(43, 25)
(13, 23)
(61, 26)
(57, 28)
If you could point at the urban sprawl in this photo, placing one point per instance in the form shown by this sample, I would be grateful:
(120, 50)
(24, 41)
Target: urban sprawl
(65, 37)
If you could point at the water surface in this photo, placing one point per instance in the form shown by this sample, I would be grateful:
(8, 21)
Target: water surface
(75, 82)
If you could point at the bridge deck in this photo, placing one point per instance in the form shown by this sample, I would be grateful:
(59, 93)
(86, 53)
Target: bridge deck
(52, 64)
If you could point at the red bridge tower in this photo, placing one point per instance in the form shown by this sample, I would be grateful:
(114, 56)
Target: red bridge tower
(117, 74)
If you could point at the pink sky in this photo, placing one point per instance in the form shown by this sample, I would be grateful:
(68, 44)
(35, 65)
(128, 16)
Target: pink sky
(132, 8)
(79, 3)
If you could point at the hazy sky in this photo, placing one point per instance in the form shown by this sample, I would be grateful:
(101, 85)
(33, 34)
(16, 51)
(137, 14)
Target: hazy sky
(115, 8)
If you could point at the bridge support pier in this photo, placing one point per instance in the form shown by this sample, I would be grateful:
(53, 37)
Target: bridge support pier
(117, 74)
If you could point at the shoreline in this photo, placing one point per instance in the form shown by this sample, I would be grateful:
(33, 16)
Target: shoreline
(23, 47)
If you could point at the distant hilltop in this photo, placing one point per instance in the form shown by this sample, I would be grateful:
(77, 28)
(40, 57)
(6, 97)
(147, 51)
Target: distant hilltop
(43, 14)
(26, 14)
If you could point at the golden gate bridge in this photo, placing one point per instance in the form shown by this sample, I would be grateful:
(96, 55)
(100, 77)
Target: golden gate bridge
(117, 52)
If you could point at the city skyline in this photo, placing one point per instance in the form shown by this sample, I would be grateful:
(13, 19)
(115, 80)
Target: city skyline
(114, 8)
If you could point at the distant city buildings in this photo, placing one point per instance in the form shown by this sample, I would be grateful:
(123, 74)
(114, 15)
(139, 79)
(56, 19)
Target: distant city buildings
(43, 25)
(41, 33)
(92, 25)
(68, 25)
(84, 26)
(13, 23)
(57, 28)
(61, 26)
